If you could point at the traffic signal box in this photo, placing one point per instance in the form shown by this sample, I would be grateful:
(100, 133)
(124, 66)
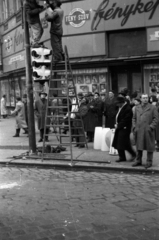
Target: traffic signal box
(41, 64)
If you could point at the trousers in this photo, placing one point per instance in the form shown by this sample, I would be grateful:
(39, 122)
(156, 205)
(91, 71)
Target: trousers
(56, 44)
(37, 32)
(139, 156)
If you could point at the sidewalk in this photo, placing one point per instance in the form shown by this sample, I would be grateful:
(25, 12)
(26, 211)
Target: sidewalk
(88, 159)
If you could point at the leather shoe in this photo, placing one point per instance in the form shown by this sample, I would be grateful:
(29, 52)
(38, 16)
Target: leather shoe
(77, 145)
(81, 146)
(136, 164)
(40, 140)
(148, 165)
(133, 158)
(121, 160)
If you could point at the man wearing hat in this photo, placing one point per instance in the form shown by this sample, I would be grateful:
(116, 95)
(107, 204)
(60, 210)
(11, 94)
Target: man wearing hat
(110, 110)
(145, 120)
(40, 111)
(123, 125)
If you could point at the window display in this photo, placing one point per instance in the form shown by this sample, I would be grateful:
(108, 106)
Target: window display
(151, 77)
(88, 80)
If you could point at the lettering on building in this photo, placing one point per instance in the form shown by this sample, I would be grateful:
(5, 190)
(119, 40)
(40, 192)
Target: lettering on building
(107, 12)
(77, 17)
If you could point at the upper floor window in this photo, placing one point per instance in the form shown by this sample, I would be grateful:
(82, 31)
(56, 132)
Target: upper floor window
(5, 9)
(18, 4)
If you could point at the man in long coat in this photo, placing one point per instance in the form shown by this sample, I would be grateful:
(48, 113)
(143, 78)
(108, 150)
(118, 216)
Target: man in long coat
(145, 120)
(123, 125)
(40, 112)
(110, 110)
(19, 112)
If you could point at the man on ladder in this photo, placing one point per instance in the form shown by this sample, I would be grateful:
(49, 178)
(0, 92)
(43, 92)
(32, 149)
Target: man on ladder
(56, 29)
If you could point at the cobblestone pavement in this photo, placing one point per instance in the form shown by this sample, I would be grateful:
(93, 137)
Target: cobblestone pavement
(42, 204)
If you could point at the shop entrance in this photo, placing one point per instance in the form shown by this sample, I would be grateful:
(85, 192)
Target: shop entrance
(126, 77)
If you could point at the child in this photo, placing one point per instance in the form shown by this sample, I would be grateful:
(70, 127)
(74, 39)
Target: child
(32, 14)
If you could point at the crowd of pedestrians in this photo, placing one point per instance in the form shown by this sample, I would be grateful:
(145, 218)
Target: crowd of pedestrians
(135, 116)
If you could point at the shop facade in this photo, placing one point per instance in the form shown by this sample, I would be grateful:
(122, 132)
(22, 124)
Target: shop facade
(112, 44)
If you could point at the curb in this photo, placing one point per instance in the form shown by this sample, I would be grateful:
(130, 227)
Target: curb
(76, 167)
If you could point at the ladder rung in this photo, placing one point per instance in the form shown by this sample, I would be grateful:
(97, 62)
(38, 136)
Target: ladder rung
(61, 135)
(57, 88)
(63, 126)
(57, 107)
(58, 116)
(57, 80)
(58, 70)
(62, 97)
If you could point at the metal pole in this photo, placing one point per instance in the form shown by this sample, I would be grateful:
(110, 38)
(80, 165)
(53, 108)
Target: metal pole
(29, 85)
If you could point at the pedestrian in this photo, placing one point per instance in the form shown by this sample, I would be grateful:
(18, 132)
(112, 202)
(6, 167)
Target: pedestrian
(40, 112)
(123, 125)
(110, 110)
(77, 123)
(32, 9)
(91, 118)
(56, 30)
(137, 102)
(19, 113)
(3, 106)
(157, 127)
(145, 121)
(100, 108)
(26, 111)
(154, 101)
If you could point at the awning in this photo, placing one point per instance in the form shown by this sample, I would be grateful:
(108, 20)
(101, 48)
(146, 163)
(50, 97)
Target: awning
(107, 59)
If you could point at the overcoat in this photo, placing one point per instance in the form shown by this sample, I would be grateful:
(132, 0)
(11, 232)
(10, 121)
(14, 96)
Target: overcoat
(144, 124)
(19, 112)
(110, 111)
(122, 132)
(157, 127)
(3, 107)
(40, 111)
(91, 118)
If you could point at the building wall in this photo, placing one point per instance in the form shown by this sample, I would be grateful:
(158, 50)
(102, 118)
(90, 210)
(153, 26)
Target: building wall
(89, 27)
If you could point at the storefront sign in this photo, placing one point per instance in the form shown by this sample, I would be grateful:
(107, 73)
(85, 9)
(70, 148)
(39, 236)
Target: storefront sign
(153, 39)
(108, 11)
(77, 17)
(16, 58)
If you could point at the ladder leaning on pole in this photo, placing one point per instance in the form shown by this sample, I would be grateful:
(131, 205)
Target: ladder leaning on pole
(58, 141)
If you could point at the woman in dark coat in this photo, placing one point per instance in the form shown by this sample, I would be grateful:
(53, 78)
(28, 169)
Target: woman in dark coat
(123, 125)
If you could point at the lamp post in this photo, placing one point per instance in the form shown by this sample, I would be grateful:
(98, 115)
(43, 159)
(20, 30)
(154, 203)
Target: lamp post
(29, 85)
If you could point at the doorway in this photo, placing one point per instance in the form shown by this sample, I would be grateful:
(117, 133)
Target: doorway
(129, 77)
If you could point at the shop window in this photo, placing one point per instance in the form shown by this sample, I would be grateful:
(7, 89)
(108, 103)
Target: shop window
(127, 43)
(12, 92)
(136, 82)
(88, 80)
(151, 77)
(4, 90)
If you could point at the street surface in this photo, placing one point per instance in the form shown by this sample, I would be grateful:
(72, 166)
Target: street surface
(45, 204)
